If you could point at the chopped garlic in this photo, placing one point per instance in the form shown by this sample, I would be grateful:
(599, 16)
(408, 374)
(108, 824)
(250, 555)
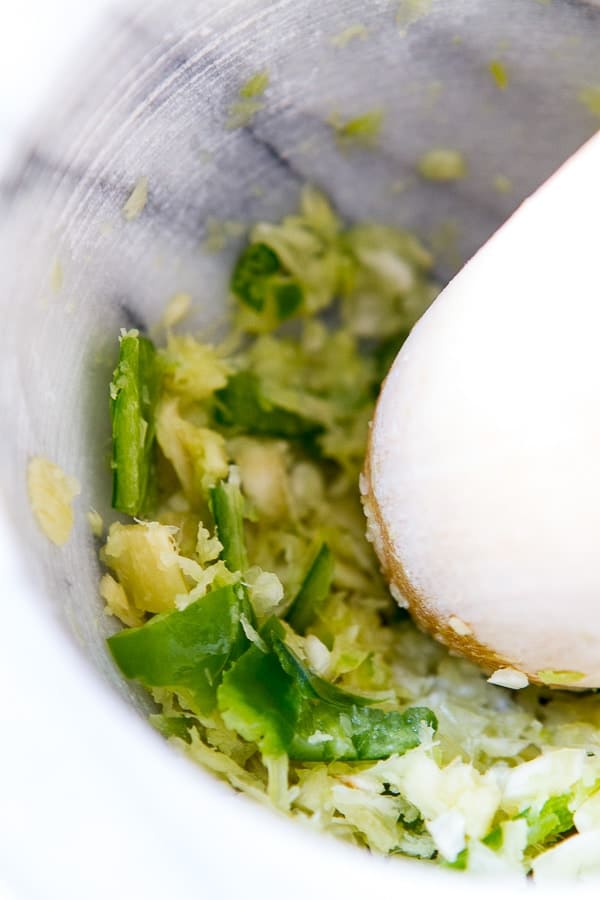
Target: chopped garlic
(448, 833)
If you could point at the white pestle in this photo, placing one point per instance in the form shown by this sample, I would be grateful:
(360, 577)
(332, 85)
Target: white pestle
(482, 479)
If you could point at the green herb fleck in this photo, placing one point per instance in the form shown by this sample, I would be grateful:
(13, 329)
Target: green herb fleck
(256, 85)
(360, 131)
(261, 283)
(495, 838)
(590, 98)
(242, 111)
(461, 862)
(498, 72)
(442, 164)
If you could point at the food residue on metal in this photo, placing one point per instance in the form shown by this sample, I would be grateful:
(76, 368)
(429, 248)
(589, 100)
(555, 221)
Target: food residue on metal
(137, 199)
(256, 84)
(95, 522)
(242, 111)
(176, 310)
(51, 495)
(502, 184)
(410, 11)
(499, 74)
(442, 164)
(361, 130)
(56, 276)
(590, 98)
(357, 31)
(219, 232)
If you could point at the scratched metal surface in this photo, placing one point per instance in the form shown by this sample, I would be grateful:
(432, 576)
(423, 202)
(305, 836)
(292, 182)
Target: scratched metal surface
(151, 97)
